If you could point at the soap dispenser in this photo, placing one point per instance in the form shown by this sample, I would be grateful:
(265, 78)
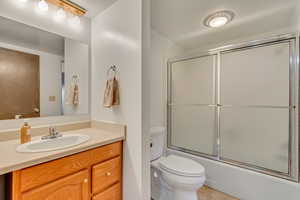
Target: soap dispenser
(25, 133)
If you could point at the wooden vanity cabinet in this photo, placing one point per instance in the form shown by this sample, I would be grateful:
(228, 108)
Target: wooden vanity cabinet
(95, 174)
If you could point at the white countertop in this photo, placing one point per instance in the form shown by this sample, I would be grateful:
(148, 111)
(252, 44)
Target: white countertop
(11, 160)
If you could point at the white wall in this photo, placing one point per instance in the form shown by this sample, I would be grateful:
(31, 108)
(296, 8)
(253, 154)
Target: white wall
(146, 68)
(50, 80)
(116, 40)
(77, 63)
(27, 13)
(161, 50)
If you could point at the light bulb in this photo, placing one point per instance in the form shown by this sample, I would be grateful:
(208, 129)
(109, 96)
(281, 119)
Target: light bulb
(218, 21)
(75, 21)
(60, 14)
(43, 5)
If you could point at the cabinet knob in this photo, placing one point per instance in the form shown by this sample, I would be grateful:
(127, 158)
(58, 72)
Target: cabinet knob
(108, 174)
(85, 180)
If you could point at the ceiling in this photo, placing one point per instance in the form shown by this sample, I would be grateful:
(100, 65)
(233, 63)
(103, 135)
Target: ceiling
(94, 7)
(181, 21)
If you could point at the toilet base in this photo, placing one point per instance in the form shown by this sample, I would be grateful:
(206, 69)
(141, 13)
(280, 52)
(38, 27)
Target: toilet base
(168, 193)
(178, 195)
(185, 195)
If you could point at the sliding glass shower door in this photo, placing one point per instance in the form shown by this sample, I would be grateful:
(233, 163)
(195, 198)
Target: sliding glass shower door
(192, 112)
(254, 116)
(238, 105)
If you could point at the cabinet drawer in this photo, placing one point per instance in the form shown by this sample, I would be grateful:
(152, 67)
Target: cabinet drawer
(75, 187)
(44, 173)
(106, 152)
(112, 193)
(106, 174)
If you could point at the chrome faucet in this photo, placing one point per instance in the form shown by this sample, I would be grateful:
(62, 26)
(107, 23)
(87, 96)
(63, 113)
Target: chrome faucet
(53, 133)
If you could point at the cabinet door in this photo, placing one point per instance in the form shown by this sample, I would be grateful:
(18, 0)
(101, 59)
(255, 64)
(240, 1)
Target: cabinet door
(73, 187)
(113, 193)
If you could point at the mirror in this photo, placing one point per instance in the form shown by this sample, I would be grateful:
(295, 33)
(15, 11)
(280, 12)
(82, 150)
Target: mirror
(41, 74)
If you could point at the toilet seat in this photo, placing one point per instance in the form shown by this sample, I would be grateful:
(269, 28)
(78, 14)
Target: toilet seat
(182, 166)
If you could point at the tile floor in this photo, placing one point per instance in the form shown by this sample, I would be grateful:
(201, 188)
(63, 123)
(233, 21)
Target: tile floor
(207, 193)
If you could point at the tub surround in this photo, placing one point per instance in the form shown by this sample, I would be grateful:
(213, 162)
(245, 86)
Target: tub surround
(101, 133)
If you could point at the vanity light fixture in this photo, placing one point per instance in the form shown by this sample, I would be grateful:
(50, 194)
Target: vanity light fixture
(69, 6)
(64, 6)
(43, 6)
(219, 19)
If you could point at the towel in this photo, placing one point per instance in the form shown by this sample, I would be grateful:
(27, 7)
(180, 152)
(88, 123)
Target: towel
(73, 95)
(111, 94)
(76, 95)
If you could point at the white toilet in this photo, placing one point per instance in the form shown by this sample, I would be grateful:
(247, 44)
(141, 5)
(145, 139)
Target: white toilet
(173, 177)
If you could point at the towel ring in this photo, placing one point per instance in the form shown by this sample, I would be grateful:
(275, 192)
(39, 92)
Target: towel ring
(112, 69)
(75, 79)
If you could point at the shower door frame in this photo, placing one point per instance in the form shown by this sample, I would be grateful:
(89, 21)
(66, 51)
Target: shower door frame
(293, 149)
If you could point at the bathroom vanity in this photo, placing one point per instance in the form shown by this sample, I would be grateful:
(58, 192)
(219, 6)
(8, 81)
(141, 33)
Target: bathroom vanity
(93, 174)
(89, 171)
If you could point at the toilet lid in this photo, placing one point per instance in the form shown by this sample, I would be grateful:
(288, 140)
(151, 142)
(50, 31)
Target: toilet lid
(182, 166)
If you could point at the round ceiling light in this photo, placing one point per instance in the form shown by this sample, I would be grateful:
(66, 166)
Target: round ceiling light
(219, 19)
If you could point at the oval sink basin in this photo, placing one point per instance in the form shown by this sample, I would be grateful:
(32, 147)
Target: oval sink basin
(63, 142)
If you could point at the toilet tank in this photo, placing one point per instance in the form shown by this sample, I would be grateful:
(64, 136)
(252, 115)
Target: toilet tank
(157, 136)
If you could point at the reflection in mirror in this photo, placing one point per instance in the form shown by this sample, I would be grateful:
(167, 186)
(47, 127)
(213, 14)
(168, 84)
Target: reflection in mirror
(41, 73)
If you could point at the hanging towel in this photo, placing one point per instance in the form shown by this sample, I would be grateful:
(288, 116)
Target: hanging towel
(73, 95)
(111, 94)
(76, 95)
